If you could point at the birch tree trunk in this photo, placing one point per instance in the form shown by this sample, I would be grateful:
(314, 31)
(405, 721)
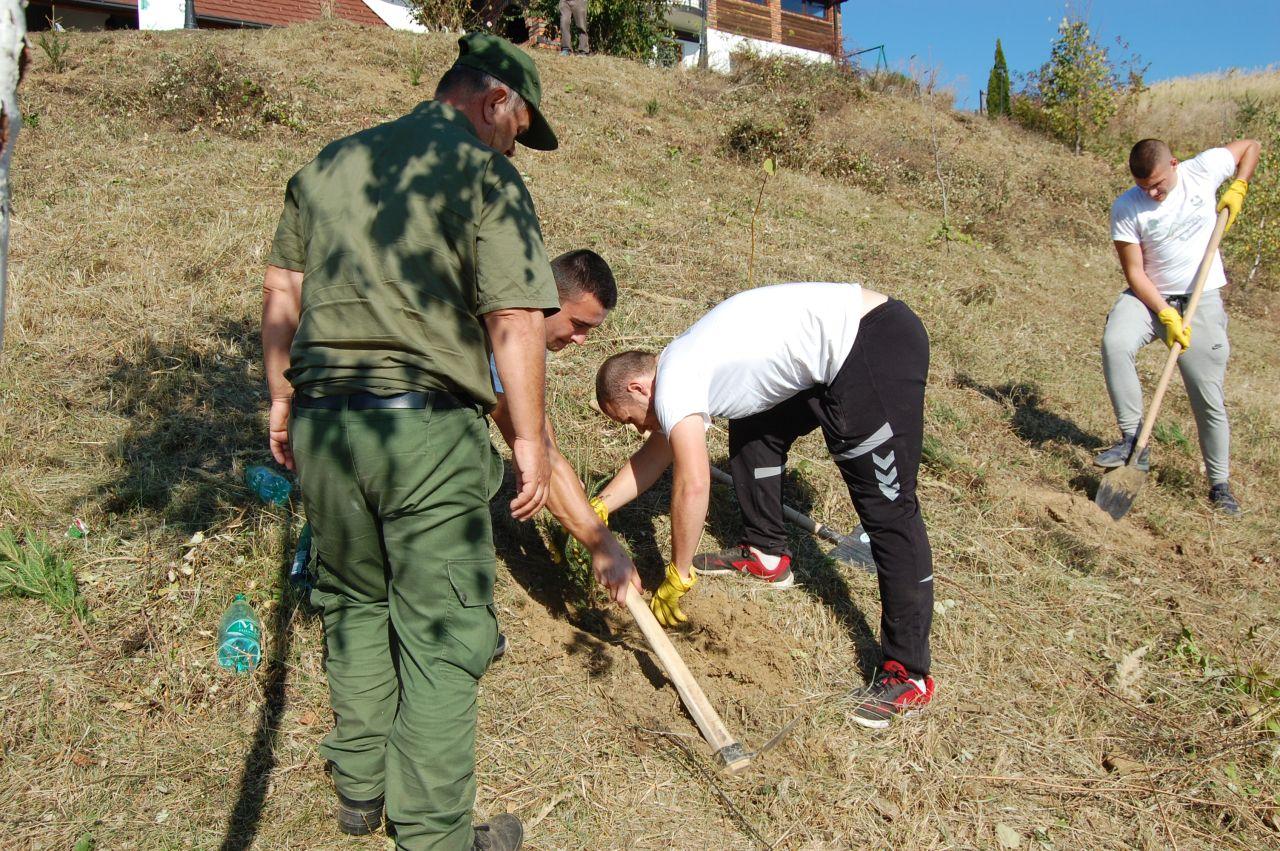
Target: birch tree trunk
(13, 32)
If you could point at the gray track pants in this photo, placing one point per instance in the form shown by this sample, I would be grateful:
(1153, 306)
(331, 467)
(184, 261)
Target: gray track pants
(1130, 326)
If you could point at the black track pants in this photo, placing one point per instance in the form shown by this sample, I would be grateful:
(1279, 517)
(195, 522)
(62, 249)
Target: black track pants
(872, 416)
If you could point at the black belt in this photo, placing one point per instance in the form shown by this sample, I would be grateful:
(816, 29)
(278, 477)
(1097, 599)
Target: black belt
(1178, 302)
(434, 399)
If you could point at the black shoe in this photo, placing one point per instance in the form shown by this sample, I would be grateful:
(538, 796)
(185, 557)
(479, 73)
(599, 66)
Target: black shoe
(500, 650)
(500, 833)
(1224, 501)
(359, 818)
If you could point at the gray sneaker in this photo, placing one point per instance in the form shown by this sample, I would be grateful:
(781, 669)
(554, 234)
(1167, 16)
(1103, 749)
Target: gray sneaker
(1224, 501)
(1118, 455)
(503, 832)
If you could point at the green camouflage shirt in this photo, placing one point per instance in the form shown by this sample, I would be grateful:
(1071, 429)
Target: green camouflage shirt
(406, 234)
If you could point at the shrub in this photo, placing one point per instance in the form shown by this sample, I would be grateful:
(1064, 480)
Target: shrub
(209, 88)
(55, 45)
(453, 15)
(636, 29)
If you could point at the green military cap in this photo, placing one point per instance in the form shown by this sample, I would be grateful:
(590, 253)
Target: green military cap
(503, 61)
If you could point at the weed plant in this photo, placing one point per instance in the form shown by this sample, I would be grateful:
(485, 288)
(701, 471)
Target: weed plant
(30, 568)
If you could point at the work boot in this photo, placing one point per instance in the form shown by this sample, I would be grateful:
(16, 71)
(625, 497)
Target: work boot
(501, 649)
(894, 692)
(1118, 455)
(1223, 500)
(358, 818)
(501, 833)
(742, 559)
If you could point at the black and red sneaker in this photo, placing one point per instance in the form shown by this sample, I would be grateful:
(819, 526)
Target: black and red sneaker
(741, 559)
(893, 692)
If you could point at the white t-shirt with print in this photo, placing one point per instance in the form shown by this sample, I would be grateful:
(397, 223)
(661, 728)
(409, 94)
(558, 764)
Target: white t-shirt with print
(755, 350)
(1175, 232)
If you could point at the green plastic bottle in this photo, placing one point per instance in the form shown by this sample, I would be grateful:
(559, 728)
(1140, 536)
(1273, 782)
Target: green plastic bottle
(240, 637)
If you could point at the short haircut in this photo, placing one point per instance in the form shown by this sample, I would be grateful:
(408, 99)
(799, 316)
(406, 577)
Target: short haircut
(463, 81)
(1146, 156)
(584, 271)
(618, 371)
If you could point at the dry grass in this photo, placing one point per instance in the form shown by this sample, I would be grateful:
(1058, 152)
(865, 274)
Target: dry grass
(1100, 686)
(1194, 113)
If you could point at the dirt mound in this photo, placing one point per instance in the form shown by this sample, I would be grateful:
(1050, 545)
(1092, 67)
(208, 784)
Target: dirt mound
(745, 667)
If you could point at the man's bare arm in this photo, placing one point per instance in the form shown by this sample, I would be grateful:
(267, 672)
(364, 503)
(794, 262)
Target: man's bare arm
(690, 490)
(639, 473)
(281, 312)
(567, 502)
(1247, 152)
(518, 339)
(1143, 287)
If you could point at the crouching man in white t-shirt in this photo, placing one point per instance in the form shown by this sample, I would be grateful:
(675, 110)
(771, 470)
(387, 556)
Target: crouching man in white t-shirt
(821, 355)
(1161, 227)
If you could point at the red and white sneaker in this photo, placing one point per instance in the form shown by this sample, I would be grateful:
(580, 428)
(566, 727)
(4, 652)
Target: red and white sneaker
(893, 692)
(742, 559)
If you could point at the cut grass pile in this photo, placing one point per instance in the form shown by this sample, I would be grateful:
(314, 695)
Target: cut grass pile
(1100, 685)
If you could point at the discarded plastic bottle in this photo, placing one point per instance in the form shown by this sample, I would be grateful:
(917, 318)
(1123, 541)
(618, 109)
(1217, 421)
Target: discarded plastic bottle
(300, 571)
(240, 637)
(269, 485)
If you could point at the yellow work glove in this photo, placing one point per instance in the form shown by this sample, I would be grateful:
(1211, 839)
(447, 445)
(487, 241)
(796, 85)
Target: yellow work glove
(1233, 200)
(1174, 330)
(666, 600)
(598, 506)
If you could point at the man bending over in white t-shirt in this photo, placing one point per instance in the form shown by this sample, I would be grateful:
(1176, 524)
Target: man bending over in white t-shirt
(1161, 228)
(833, 356)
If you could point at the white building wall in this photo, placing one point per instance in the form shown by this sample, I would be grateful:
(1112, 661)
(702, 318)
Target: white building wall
(396, 14)
(721, 44)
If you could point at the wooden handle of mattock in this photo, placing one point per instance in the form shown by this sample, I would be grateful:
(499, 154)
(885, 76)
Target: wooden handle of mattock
(1206, 263)
(727, 748)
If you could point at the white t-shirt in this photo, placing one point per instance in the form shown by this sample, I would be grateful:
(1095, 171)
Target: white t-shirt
(1175, 232)
(755, 350)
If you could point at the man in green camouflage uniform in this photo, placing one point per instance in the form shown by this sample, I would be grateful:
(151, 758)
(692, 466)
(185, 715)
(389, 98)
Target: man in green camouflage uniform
(404, 255)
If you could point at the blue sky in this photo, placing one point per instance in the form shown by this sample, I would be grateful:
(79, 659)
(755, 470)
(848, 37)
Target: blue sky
(959, 39)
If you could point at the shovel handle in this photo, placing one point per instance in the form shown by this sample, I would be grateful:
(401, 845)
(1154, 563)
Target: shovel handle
(730, 753)
(1206, 263)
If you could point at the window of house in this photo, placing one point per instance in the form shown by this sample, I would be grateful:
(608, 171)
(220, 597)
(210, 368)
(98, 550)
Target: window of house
(805, 7)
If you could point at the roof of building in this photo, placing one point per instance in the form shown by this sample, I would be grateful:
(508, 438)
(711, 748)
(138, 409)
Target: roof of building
(282, 12)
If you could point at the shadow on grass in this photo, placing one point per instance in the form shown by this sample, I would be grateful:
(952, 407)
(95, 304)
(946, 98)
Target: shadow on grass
(1032, 422)
(816, 574)
(193, 409)
(522, 549)
(260, 761)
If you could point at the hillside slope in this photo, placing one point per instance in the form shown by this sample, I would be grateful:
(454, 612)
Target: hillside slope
(1100, 685)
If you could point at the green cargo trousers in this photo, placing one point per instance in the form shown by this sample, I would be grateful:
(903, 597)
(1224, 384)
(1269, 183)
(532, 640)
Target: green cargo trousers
(398, 502)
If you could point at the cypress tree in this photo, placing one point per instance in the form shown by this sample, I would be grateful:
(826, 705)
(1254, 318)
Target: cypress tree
(998, 99)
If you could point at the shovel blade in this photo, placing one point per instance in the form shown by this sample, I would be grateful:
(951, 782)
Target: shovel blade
(855, 552)
(1119, 489)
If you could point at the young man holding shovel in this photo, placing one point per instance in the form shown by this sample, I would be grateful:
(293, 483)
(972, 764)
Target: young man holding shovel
(1161, 228)
(850, 361)
(587, 293)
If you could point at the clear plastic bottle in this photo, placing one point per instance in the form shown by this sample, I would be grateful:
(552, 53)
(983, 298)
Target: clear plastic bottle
(269, 485)
(300, 571)
(240, 637)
